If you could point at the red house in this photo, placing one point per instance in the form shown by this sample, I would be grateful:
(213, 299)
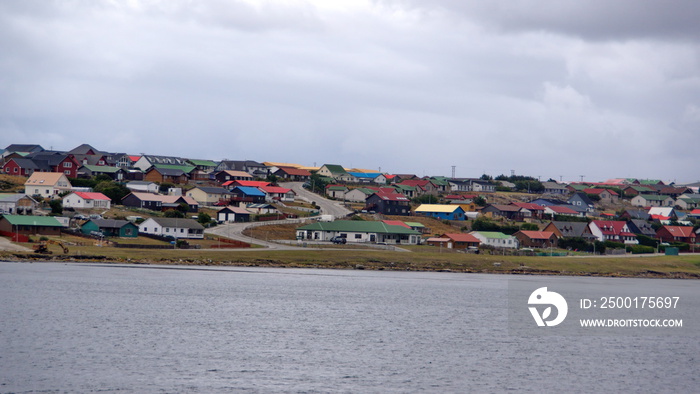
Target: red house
(676, 234)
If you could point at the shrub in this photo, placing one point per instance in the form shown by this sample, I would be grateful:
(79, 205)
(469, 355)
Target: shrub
(640, 249)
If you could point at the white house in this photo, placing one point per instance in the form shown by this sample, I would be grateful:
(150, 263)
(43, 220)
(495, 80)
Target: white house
(496, 239)
(143, 186)
(47, 184)
(652, 200)
(174, 227)
(86, 200)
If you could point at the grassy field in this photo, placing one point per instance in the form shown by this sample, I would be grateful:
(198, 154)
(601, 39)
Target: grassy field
(420, 259)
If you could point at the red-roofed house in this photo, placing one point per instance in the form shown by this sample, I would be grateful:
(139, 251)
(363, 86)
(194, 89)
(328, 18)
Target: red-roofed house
(86, 200)
(676, 234)
(293, 174)
(276, 193)
(561, 210)
(536, 239)
(606, 196)
(612, 230)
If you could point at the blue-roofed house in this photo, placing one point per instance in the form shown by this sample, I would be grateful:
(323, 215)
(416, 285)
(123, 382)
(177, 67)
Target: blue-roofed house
(247, 195)
(365, 177)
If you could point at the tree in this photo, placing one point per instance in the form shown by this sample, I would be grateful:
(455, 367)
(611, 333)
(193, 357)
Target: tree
(174, 213)
(56, 207)
(165, 186)
(318, 183)
(486, 177)
(529, 227)
(204, 218)
(115, 191)
(480, 201)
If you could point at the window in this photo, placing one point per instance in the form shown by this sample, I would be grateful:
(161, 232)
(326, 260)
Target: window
(67, 164)
(358, 236)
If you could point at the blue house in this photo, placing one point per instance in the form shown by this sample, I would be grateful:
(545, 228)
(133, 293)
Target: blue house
(442, 211)
(247, 194)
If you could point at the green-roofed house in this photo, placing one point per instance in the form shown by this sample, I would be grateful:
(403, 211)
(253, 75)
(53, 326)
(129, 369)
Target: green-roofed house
(110, 228)
(30, 225)
(337, 172)
(357, 231)
(336, 191)
(652, 200)
(89, 171)
(496, 239)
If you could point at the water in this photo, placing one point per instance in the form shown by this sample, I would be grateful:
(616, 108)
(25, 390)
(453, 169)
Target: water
(85, 328)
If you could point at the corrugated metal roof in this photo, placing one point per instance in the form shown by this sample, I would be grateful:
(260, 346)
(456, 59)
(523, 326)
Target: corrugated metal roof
(440, 208)
(359, 226)
(22, 220)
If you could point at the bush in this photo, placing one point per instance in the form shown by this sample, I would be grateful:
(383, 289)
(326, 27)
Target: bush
(640, 249)
(529, 227)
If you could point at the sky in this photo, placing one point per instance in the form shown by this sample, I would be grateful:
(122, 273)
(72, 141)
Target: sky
(557, 89)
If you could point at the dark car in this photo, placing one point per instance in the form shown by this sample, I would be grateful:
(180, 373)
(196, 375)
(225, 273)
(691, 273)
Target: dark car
(338, 240)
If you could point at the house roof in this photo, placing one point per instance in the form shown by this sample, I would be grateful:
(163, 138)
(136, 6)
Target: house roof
(23, 220)
(365, 175)
(92, 196)
(506, 208)
(213, 190)
(110, 223)
(359, 226)
(571, 229)
(386, 196)
(105, 169)
(396, 223)
(439, 208)
(492, 234)
(203, 163)
(679, 231)
(294, 171)
(168, 171)
(537, 234)
(335, 168)
(529, 206)
(250, 183)
(45, 178)
(14, 197)
(275, 189)
(182, 167)
(598, 191)
(653, 197)
(560, 209)
(23, 148)
(237, 210)
(612, 227)
(178, 223)
(163, 198)
(239, 174)
(250, 191)
(462, 237)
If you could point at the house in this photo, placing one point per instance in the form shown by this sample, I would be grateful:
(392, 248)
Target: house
(293, 174)
(688, 201)
(231, 214)
(336, 191)
(250, 167)
(554, 188)
(231, 184)
(247, 195)
(570, 230)
(441, 211)
(676, 234)
(22, 148)
(536, 239)
(86, 200)
(557, 210)
(20, 166)
(640, 214)
(581, 203)
(166, 175)
(17, 204)
(262, 209)
(89, 171)
(612, 230)
(172, 227)
(388, 203)
(662, 213)
(510, 212)
(384, 179)
(230, 175)
(455, 241)
(276, 193)
(159, 202)
(337, 173)
(675, 192)
(29, 225)
(110, 228)
(356, 231)
(365, 177)
(548, 202)
(606, 196)
(145, 162)
(530, 210)
(482, 186)
(652, 200)
(47, 184)
(496, 239)
(641, 227)
(58, 162)
(143, 186)
(635, 190)
(208, 196)
(359, 194)
(422, 186)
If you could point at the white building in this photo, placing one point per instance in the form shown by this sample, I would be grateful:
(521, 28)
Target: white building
(496, 239)
(173, 227)
(86, 200)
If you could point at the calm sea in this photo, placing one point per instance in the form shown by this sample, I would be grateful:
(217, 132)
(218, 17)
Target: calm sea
(107, 328)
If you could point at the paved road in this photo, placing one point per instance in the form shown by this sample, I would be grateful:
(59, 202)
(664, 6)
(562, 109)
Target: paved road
(235, 230)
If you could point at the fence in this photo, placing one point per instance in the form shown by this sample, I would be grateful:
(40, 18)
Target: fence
(15, 237)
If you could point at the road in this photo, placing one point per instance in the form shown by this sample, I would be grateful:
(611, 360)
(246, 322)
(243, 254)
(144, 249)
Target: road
(235, 230)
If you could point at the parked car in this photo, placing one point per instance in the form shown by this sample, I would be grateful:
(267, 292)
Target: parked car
(339, 240)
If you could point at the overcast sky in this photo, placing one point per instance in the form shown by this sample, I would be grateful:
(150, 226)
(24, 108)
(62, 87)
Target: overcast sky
(550, 88)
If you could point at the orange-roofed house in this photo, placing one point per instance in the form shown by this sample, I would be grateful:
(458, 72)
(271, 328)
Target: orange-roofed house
(536, 239)
(47, 184)
(87, 200)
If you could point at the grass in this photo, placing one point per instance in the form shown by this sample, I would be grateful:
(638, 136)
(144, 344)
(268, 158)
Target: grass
(420, 259)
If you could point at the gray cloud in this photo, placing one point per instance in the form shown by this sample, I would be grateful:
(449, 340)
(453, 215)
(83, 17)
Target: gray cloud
(487, 87)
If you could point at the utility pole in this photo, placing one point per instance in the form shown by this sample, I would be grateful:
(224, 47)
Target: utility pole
(581, 178)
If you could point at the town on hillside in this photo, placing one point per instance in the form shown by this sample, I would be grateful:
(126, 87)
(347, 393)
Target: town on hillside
(47, 193)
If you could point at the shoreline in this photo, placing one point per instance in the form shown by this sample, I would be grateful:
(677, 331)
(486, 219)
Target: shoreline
(497, 267)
